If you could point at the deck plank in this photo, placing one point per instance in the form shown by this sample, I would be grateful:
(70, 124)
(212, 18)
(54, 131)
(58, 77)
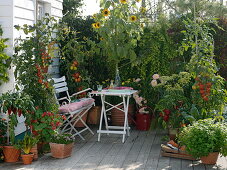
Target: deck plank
(153, 158)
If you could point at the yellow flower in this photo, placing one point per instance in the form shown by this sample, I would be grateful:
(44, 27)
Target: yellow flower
(138, 0)
(133, 18)
(123, 83)
(94, 25)
(142, 25)
(143, 10)
(98, 25)
(123, 1)
(105, 12)
(101, 38)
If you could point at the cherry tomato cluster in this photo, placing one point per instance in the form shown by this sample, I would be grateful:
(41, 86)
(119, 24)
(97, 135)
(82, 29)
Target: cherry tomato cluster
(204, 88)
(40, 72)
(76, 76)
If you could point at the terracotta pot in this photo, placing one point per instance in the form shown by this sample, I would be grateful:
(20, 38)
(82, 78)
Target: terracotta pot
(84, 118)
(94, 115)
(11, 154)
(27, 158)
(210, 159)
(34, 150)
(41, 146)
(172, 133)
(118, 116)
(61, 150)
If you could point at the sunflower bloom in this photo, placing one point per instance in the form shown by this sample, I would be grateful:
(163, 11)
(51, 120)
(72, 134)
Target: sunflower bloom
(105, 12)
(133, 18)
(94, 25)
(123, 1)
(98, 25)
(143, 10)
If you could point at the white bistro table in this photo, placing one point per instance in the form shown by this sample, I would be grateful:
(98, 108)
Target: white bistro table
(125, 95)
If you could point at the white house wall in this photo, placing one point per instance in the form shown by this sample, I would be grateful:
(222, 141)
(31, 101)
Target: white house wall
(20, 12)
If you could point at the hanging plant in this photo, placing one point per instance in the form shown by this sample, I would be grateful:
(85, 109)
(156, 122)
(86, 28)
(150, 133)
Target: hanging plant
(5, 60)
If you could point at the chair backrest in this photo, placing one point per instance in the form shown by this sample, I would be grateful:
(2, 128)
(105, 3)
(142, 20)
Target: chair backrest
(60, 86)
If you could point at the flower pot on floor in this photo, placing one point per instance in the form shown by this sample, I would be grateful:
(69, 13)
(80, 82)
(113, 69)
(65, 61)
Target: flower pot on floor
(118, 116)
(11, 154)
(210, 159)
(61, 150)
(27, 158)
(34, 150)
(172, 133)
(94, 115)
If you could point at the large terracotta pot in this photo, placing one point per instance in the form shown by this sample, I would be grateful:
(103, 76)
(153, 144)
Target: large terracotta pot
(34, 150)
(61, 150)
(118, 116)
(94, 115)
(27, 158)
(210, 159)
(11, 154)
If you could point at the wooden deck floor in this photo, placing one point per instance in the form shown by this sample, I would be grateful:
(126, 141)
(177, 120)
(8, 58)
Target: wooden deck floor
(140, 151)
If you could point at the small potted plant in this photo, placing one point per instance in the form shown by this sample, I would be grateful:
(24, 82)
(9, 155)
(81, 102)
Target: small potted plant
(61, 145)
(26, 145)
(205, 139)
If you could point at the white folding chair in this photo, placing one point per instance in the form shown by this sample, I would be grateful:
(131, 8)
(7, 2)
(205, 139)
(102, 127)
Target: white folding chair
(72, 110)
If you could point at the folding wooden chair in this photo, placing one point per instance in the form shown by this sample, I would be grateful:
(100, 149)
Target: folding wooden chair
(73, 110)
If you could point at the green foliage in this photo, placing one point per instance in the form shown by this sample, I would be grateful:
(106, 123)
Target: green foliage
(64, 138)
(27, 143)
(3, 130)
(32, 57)
(204, 137)
(156, 51)
(5, 60)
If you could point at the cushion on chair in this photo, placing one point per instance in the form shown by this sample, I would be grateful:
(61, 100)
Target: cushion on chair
(78, 104)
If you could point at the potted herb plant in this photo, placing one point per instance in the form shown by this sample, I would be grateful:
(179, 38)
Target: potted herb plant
(205, 139)
(26, 145)
(61, 145)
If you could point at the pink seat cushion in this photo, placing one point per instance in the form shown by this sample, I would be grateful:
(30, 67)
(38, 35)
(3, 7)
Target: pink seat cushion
(76, 105)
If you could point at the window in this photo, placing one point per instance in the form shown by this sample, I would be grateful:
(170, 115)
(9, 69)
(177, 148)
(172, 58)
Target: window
(40, 10)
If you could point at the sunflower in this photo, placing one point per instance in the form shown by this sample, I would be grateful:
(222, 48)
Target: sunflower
(143, 10)
(96, 25)
(133, 18)
(105, 12)
(123, 1)
(101, 39)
